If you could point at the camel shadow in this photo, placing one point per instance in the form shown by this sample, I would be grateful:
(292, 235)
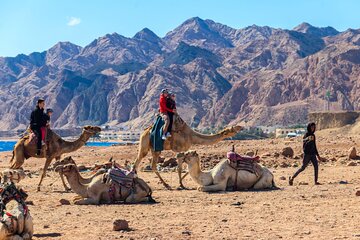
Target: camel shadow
(43, 235)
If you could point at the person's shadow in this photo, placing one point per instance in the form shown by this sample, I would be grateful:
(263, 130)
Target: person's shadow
(42, 235)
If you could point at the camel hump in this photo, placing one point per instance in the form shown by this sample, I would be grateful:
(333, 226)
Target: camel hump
(121, 176)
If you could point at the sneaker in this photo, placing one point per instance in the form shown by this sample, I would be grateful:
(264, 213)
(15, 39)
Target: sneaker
(317, 183)
(168, 134)
(163, 137)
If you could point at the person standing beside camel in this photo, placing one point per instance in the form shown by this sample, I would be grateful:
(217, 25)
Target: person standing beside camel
(310, 153)
(164, 112)
(37, 121)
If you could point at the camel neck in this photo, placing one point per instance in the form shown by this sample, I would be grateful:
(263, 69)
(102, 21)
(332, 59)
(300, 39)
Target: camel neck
(203, 139)
(75, 145)
(202, 178)
(76, 186)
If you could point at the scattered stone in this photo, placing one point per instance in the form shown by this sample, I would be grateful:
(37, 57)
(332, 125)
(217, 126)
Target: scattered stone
(284, 165)
(343, 182)
(46, 226)
(297, 157)
(352, 164)
(64, 202)
(287, 152)
(357, 193)
(30, 203)
(170, 163)
(250, 153)
(224, 220)
(186, 232)
(147, 168)
(120, 224)
(237, 204)
(266, 155)
(276, 154)
(282, 178)
(352, 153)
(303, 183)
(161, 159)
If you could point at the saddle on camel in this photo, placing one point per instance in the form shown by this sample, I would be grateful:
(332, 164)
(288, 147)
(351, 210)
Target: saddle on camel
(245, 163)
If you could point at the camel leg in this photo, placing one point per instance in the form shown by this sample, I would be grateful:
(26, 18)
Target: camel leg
(154, 168)
(266, 181)
(136, 198)
(87, 201)
(144, 147)
(180, 164)
(214, 188)
(47, 164)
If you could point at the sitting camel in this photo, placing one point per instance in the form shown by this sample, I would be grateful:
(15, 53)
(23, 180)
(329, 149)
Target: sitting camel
(82, 180)
(222, 176)
(183, 137)
(98, 191)
(17, 222)
(25, 148)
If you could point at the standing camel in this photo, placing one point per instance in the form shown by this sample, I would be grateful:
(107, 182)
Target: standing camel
(183, 137)
(56, 146)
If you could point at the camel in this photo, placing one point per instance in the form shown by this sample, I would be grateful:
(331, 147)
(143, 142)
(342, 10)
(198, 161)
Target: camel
(222, 176)
(183, 137)
(82, 180)
(16, 225)
(97, 191)
(17, 222)
(56, 146)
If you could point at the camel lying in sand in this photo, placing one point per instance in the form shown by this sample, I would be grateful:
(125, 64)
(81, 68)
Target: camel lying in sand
(82, 180)
(17, 222)
(222, 176)
(97, 191)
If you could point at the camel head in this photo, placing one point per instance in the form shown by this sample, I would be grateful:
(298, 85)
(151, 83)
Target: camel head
(189, 157)
(231, 131)
(63, 162)
(92, 130)
(66, 169)
(12, 175)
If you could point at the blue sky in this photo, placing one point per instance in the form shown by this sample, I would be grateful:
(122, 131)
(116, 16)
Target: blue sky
(28, 26)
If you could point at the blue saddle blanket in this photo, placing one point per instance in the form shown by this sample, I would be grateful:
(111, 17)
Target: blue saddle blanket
(155, 135)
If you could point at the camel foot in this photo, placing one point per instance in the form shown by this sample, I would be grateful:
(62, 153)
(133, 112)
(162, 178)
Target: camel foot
(167, 186)
(201, 189)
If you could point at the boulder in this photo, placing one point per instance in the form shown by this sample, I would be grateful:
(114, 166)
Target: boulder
(357, 193)
(172, 162)
(352, 153)
(287, 152)
(120, 224)
(64, 202)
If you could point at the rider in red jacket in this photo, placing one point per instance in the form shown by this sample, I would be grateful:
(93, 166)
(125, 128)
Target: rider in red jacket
(164, 112)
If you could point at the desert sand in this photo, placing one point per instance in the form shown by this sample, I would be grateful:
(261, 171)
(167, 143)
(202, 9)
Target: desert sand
(302, 211)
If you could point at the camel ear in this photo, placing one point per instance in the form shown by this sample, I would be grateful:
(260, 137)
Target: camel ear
(87, 127)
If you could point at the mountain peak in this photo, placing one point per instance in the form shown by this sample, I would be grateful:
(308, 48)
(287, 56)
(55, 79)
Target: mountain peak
(146, 34)
(316, 31)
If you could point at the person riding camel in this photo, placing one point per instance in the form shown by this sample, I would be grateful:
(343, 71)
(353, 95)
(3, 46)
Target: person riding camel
(164, 110)
(310, 153)
(37, 121)
(171, 104)
(49, 112)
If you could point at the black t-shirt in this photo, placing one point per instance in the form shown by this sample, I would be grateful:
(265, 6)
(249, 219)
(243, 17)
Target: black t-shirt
(309, 144)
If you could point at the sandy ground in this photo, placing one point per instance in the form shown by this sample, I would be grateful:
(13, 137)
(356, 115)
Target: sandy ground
(302, 211)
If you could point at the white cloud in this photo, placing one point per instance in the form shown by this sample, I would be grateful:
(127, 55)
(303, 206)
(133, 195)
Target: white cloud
(73, 21)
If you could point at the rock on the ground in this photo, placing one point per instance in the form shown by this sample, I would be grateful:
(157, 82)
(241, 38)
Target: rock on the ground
(250, 153)
(287, 152)
(357, 193)
(120, 224)
(352, 164)
(172, 162)
(282, 178)
(64, 202)
(352, 153)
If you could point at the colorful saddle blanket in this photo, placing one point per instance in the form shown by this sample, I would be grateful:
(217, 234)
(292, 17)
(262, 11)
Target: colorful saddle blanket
(121, 176)
(245, 163)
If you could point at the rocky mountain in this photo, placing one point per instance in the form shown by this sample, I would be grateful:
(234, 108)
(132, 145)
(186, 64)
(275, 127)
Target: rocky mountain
(221, 75)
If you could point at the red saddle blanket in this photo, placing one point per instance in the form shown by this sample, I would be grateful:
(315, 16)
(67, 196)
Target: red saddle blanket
(232, 156)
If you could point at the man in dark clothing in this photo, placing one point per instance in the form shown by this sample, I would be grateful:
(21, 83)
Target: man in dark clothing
(38, 120)
(310, 153)
(170, 104)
